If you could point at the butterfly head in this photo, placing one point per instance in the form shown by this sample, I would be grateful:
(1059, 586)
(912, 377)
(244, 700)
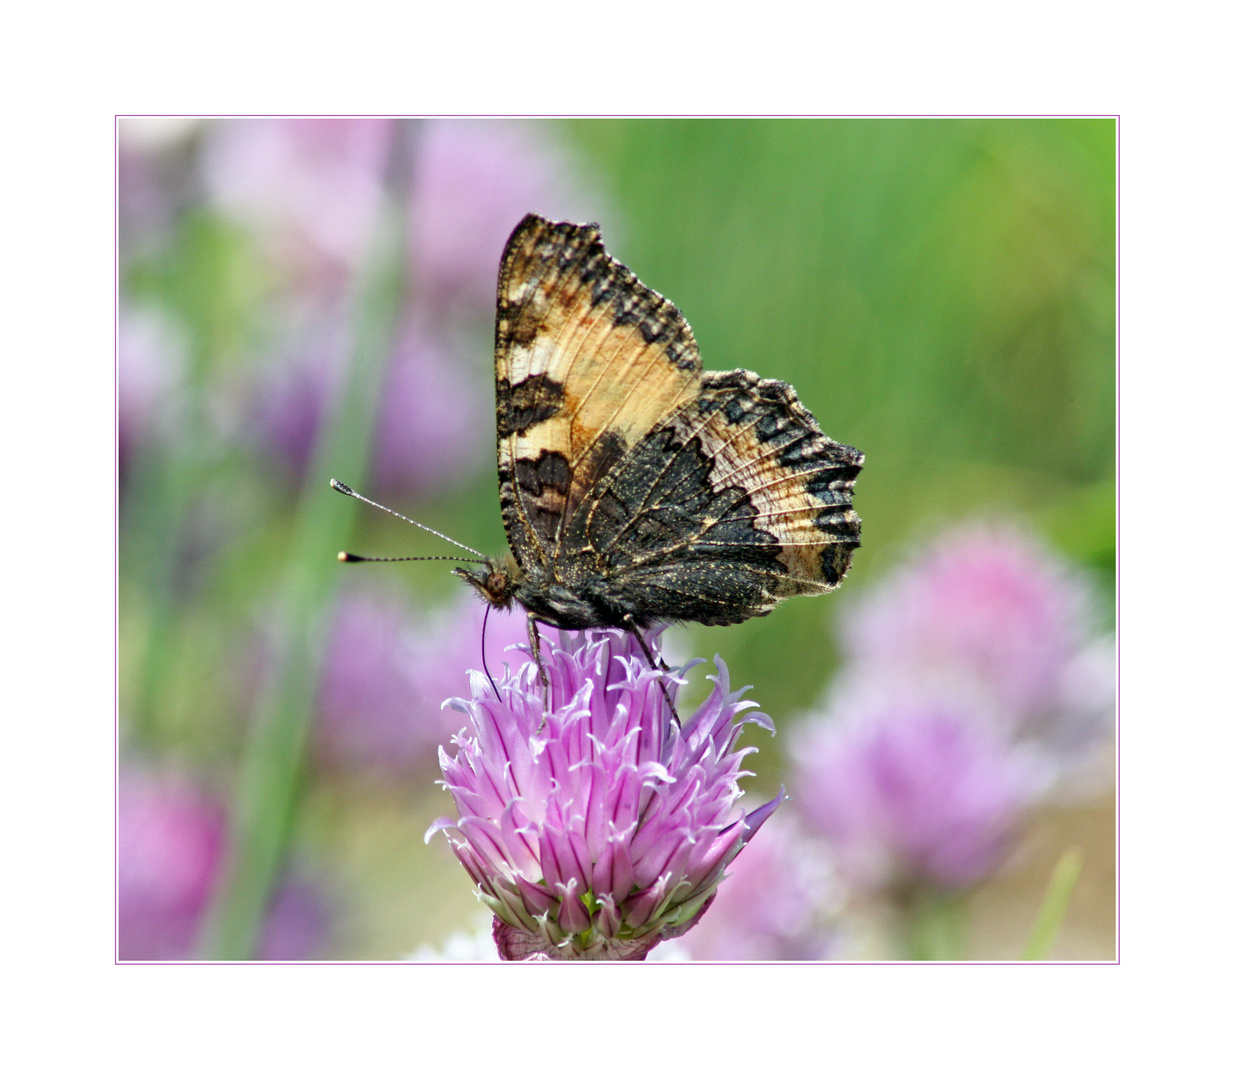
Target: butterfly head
(496, 580)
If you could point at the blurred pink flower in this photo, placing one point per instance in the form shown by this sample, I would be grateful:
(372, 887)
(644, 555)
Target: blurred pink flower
(287, 408)
(169, 845)
(310, 189)
(171, 837)
(472, 181)
(150, 363)
(388, 670)
(299, 919)
(154, 180)
(430, 410)
(777, 903)
(911, 791)
(986, 611)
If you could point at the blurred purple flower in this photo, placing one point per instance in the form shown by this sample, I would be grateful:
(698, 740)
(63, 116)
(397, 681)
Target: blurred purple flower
(913, 792)
(389, 670)
(171, 839)
(299, 919)
(150, 363)
(472, 181)
(154, 181)
(288, 407)
(431, 409)
(428, 414)
(778, 902)
(310, 189)
(596, 828)
(986, 611)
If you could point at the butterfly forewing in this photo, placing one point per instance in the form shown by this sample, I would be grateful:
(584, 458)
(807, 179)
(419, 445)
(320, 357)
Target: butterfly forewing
(588, 361)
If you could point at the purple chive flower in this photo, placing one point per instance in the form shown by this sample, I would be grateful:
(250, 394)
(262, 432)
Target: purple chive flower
(388, 670)
(596, 828)
(779, 902)
(913, 792)
(171, 839)
(985, 611)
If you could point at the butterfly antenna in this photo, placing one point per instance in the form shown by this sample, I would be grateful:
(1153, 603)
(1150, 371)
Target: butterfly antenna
(348, 556)
(338, 485)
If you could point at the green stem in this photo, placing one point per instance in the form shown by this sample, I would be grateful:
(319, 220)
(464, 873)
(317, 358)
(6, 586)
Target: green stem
(157, 508)
(162, 518)
(934, 927)
(1054, 905)
(270, 769)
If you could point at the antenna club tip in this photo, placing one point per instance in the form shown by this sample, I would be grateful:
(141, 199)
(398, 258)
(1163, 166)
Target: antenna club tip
(338, 485)
(345, 557)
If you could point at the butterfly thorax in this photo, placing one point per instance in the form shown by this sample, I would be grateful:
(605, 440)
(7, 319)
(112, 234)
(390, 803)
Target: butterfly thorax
(587, 604)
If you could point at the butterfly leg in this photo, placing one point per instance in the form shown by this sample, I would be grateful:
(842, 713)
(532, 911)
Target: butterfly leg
(655, 661)
(533, 640)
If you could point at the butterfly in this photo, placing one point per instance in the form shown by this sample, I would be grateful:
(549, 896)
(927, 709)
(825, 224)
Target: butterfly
(635, 487)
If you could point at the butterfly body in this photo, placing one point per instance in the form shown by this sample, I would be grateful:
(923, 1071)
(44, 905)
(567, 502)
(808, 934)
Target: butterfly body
(635, 487)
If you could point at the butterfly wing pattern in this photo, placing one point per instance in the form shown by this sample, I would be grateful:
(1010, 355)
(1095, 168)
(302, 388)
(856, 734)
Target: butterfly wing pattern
(635, 487)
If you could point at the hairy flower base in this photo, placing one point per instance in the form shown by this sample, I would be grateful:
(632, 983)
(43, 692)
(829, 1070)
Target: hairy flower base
(596, 828)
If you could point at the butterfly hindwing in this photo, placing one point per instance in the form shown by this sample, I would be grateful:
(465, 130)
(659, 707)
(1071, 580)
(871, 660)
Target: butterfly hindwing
(735, 502)
(588, 361)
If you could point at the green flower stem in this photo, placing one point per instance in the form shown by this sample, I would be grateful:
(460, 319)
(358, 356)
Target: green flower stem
(270, 769)
(934, 926)
(199, 281)
(1054, 905)
(162, 499)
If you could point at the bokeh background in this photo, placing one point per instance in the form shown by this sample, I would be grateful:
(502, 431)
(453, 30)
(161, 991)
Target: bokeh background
(300, 299)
